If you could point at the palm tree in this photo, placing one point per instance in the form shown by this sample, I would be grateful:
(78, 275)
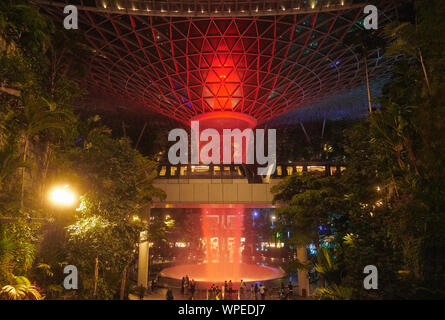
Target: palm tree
(407, 41)
(38, 115)
(9, 163)
(334, 292)
(327, 267)
(363, 42)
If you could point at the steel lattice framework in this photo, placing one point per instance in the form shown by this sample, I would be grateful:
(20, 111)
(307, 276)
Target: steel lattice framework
(262, 66)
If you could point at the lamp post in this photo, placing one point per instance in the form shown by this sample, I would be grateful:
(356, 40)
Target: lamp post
(273, 230)
(254, 215)
(63, 196)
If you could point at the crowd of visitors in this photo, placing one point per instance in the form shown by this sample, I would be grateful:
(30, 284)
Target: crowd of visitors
(226, 291)
(188, 286)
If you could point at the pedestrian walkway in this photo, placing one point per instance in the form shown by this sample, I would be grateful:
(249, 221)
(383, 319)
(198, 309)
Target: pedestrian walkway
(160, 294)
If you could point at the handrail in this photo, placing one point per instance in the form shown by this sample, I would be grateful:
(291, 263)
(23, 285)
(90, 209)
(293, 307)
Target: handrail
(206, 8)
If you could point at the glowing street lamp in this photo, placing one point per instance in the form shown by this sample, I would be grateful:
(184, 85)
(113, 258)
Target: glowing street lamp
(62, 196)
(254, 215)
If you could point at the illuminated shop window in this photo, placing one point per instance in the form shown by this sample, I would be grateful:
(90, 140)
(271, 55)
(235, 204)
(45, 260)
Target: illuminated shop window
(173, 171)
(238, 171)
(163, 171)
(299, 169)
(216, 170)
(226, 171)
(289, 170)
(333, 170)
(183, 171)
(316, 169)
(200, 169)
(279, 171)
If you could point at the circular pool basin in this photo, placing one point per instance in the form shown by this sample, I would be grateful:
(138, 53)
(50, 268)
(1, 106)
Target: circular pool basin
(220, 272)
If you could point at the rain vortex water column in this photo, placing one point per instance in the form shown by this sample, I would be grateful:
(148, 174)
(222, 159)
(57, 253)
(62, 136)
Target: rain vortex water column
(223, 227)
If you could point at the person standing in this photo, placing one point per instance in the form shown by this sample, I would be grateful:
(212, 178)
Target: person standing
(256, 291)
(192, 289)
(218, 293)
(182, 285)
(282, 294)
(169, 295)
(230, 289)
(241, 290)
(153, 285)
(290, 288)
(262, 291)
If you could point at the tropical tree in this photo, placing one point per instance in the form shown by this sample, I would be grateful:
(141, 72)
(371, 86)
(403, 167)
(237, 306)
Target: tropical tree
(363, 43)
(103, 240)
(328, 267)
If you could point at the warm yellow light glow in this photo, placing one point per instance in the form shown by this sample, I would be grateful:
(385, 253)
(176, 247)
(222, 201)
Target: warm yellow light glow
(273, 217)
(62, 196)
(180, 244)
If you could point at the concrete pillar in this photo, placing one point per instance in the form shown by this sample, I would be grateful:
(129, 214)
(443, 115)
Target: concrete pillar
(303, 276)
(143, 259)
(144, 252)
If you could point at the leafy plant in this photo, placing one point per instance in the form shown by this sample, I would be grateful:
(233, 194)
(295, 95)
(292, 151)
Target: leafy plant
(22, 289)
(334, 292)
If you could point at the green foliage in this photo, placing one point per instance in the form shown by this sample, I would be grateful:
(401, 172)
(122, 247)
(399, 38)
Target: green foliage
(120, 184)
(310, 200)
(327, 266)
(42, 142)
(334, 292)
(392, 194)
(22, 289)
(22, 25)
(139, 291)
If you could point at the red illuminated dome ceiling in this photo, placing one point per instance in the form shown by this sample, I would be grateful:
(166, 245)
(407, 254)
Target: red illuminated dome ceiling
(262, 65)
